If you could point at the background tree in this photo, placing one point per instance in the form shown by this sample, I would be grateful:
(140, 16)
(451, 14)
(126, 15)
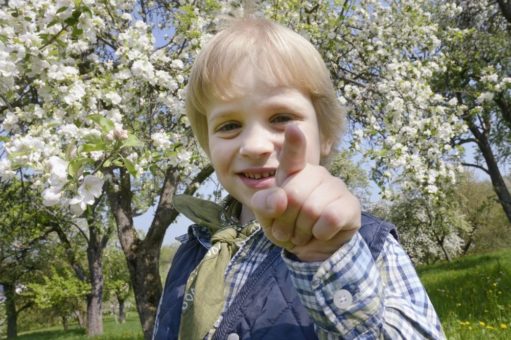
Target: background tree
(89, 97)
(488, 224)
(23, 247)
(59, 294)
(477, 46)
(428, 229)
(352, 173)
(118, 281)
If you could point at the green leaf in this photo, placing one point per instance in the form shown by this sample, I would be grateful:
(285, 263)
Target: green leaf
(131, 141)
(73, 19)
(61, 9)
(117, 162)
(99, 146)
(130, 167)
(106, 124)
(77, 32)
(75, 166)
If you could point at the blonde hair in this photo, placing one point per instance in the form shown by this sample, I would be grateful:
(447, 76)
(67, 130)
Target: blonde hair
(280, 56)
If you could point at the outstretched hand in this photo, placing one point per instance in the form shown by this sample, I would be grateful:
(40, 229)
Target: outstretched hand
(310, 212)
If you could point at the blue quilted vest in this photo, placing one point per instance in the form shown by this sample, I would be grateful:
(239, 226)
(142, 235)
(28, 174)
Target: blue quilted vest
(267, 306)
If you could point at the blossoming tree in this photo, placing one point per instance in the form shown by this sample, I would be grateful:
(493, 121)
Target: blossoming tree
(91, 102)
(477, 46)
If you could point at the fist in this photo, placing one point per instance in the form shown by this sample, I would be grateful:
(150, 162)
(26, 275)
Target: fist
(310, 213)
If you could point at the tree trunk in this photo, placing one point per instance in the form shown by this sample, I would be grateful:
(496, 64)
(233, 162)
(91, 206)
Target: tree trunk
(80, 318)
(10, 306)
(65, 324)
(446, 253)
(122, 311)
(142, 256)
(95, 298)
(499, 185)
(145, 274)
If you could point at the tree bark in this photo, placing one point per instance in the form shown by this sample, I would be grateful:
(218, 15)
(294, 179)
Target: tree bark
(122, 310)
(80, 318)
(143, 256)
(499, 185)
(95, 297)
(10, 306)
(65, 323)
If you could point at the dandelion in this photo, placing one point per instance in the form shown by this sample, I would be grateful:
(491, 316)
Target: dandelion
(482, 324)
(503, 326)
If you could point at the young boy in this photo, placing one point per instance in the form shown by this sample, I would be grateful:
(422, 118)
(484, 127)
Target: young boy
(289, 254)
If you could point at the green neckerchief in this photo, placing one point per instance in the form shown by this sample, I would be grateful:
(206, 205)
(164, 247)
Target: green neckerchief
(205, 289)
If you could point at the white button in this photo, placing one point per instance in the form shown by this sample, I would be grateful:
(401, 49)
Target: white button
(233, 336)
(342, 298)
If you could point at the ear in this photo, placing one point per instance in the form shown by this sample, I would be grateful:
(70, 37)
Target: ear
(326, 147)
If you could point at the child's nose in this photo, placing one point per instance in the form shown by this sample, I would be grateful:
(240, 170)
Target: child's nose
(257, 142)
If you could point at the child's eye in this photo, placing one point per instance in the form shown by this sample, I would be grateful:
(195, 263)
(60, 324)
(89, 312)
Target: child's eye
(281, 118)
(227, 127)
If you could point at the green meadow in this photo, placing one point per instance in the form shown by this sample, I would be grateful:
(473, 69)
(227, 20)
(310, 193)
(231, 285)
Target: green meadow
(130, 330)
(472, 296)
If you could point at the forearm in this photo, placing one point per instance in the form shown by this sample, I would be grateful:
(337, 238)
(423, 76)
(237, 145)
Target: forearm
(351, 295)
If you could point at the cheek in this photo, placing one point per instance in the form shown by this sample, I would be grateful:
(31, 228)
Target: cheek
(219, 155)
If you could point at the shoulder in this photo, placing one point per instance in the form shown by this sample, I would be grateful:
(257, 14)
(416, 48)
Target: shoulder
(375, 232)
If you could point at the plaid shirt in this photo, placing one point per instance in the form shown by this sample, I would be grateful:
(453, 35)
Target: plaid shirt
(349, 295)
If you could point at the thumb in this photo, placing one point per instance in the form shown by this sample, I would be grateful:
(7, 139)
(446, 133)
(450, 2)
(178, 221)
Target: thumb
(292, 157)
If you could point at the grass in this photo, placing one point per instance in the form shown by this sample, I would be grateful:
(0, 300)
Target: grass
(130, 330)
(472, 295)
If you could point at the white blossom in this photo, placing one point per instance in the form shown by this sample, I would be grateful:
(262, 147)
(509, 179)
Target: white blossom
(58, 171)
(485, 96)
(143, 69)
(6, 172)
(113, 97)
(75, 93)
(51, 196)
(161, 140)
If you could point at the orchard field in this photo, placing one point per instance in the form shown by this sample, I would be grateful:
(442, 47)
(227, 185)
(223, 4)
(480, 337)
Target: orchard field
(94, 133)
(472, 296)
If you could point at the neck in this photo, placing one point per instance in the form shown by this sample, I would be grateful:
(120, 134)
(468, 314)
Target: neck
(246, 214)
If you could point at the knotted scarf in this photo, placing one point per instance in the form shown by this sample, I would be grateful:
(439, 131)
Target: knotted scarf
(205, 289)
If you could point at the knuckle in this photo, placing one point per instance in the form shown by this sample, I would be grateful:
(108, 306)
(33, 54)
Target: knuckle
(312, 210)
(331, 216)
(293, 195)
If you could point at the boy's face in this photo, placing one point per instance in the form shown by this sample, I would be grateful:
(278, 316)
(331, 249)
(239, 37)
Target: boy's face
(246, 134)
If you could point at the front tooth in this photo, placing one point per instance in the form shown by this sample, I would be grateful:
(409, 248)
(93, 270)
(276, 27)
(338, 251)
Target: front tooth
(266, 174)
(257, 176)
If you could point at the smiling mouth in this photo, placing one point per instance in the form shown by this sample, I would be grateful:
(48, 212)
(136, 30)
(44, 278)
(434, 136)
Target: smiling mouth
(259, 175)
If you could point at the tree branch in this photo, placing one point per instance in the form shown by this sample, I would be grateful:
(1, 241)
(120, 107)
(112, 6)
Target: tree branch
(480, 167)
(165, 213)
(505, 109)
(27, 305)
(79, 271)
